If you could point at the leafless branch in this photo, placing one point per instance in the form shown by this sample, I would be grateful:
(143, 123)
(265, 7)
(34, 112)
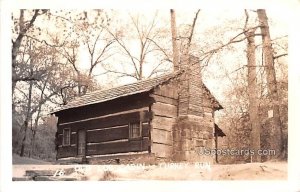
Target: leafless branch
(123, 74)
(247, 19)
(235, 39)
(281, 55)
(192, 29)
(122, 44)
(161, 49)
(46, 43)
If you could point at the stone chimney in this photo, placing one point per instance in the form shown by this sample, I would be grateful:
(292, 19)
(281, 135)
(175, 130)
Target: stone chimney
(190, 87)
(193, 129)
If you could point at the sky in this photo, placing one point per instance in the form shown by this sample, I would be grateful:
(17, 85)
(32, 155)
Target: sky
(207, 19)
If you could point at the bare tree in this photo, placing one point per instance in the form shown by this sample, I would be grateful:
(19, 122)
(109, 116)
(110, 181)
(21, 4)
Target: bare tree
(97, 42)
(88, 34)
(147, 40)
(22, 27)
(276, 130)
(188, 40)
(256, 109)
(70, 53)
(27, 119)
(252, 91)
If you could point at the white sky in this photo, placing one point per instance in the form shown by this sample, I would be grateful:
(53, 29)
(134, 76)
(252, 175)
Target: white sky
(206, 19)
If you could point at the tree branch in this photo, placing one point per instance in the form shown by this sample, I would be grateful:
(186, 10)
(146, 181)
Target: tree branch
(46, 43)
(281, 55)
(192, 29)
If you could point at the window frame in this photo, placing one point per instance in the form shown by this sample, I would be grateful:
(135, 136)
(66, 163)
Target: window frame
(63, 140)
(130, 129)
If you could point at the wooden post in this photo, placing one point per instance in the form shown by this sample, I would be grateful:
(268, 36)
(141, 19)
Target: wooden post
(216, 143)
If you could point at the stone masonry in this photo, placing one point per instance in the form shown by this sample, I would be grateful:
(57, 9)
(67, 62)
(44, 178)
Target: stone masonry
(194, 127)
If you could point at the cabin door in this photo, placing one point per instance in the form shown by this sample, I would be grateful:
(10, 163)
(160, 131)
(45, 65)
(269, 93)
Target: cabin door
(81, 142)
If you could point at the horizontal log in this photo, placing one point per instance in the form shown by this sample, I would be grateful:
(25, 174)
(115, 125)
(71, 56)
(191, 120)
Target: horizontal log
(167, 90)
(118, 147)
(66, 151)
(131, 102)
(196, 112)
(111, 121)
(44, 178)
(163, 123)
(162, 136)
(163, 109)
(207, 114)
(33, 173)
(207, 109)
(207, 123)
(22, 179)
(107, 134)
(113, 134)
(162, 99)
(161, 150)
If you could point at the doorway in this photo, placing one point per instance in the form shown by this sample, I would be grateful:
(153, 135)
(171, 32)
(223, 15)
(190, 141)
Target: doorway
(81, 143)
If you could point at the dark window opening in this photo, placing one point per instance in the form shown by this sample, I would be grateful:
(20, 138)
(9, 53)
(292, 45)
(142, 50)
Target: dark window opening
(135, 130)
(66, 137)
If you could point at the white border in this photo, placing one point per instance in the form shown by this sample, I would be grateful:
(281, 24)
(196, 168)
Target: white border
(283, 6)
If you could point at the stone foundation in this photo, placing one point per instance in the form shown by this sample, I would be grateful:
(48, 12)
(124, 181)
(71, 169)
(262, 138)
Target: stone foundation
(190, 134)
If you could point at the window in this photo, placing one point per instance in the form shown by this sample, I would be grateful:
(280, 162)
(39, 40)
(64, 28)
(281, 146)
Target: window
(66, 137)
(135, 130)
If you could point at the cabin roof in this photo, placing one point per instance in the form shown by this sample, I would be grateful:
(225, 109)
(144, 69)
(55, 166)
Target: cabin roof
(126, 90)
(218, 131)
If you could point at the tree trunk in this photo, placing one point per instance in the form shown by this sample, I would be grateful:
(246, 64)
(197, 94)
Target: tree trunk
(27, 118)
(34, 128)
(174, 40)
(17, 43)
(32, 143)
(276, 129)
(23, 141)
(252, 92)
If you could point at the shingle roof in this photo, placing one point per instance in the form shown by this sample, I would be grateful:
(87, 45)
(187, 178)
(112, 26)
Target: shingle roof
(126, 90)
(116, 92)
(219, 131)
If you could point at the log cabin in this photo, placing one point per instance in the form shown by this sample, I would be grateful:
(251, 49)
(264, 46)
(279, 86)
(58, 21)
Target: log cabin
(166, 118)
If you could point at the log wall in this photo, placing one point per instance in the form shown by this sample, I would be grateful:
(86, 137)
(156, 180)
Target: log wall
(165, 112)
(107, 133)
(128, 103)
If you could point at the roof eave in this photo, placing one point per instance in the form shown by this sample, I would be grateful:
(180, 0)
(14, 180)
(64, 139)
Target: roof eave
(96, 102)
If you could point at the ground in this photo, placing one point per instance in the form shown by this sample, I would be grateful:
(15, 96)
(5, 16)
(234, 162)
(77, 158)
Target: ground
(162, 171)
(25, 160)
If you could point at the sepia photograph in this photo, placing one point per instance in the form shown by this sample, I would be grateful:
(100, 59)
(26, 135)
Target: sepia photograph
(152, 94)
(167, 94)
